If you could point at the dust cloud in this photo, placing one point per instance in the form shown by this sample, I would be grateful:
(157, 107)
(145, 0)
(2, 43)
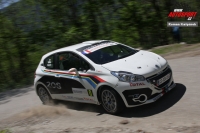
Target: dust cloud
(45, 111)
(36, 115)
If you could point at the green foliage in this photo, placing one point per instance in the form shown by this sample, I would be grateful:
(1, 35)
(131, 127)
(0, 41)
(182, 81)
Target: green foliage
(5, 131)
(31, 28)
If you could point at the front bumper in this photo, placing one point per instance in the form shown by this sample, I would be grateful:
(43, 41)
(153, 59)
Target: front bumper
(129, 101)
(145, 92)
(160, 94)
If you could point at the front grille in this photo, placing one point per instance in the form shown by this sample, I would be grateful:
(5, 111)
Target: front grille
(153, 79)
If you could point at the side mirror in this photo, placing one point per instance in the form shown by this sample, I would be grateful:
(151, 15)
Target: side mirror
(74, 70)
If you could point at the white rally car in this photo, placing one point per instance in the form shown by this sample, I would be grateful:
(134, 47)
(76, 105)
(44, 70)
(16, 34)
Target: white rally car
(103, 72)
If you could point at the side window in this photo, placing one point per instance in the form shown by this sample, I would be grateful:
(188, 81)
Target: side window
(49, 62)
(84, 65)
(69, 60)
(63, 61)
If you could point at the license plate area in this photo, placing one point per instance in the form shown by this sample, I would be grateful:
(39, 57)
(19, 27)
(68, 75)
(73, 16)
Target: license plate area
(163, 79)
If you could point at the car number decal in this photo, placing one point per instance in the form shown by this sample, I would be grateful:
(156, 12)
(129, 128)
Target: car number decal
(54, 85)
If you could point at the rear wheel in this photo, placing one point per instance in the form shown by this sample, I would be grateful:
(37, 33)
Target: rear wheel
(44, 96)
(111, 101)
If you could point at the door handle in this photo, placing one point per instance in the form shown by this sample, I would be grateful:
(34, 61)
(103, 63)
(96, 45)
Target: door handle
(57, 76)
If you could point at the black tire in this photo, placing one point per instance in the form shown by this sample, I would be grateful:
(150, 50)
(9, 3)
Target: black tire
(44, 95)
(114, 101)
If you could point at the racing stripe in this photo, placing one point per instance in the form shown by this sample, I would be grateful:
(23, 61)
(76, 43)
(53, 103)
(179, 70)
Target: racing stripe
(91, 79)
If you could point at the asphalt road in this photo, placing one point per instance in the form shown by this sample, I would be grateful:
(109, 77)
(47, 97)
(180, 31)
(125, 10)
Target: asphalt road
(177, 109)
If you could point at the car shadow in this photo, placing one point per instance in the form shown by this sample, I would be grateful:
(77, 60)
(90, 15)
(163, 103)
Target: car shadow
(164, 103)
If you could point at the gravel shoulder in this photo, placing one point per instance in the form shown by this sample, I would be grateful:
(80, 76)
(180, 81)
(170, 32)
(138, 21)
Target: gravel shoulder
(178, 111)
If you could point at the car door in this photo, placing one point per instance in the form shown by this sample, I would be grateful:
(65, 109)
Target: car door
(49, 77)
(73, 88)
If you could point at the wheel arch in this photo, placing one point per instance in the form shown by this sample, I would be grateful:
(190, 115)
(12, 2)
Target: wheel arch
(38, 84)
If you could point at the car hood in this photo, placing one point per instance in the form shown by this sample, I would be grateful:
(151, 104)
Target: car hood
(142, 63)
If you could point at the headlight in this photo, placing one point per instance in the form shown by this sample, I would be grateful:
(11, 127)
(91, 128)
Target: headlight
(127, 76)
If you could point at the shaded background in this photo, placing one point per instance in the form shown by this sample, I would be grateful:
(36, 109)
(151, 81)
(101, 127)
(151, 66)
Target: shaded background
(31, 28)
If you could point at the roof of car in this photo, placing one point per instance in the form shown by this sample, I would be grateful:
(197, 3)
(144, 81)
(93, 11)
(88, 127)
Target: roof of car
(74, 47)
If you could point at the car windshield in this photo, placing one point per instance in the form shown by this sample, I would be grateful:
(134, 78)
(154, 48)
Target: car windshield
(109, 53)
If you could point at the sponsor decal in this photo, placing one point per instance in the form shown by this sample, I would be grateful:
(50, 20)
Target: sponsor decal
(88, 99)
(49, 61)
(90, 93)
(136, 84)
(97, 47)
(80, 91)
(49, 65)
(78, 98)
(74, 98)
(77, 91)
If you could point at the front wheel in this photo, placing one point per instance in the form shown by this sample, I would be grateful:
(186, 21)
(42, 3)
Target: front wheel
(111, 101)
(44, 96)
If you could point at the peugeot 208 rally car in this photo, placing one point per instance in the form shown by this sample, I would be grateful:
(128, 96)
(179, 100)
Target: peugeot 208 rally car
(103, 72)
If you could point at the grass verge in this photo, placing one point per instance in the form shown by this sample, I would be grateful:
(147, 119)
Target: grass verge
(5, 131)
(175, 48)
